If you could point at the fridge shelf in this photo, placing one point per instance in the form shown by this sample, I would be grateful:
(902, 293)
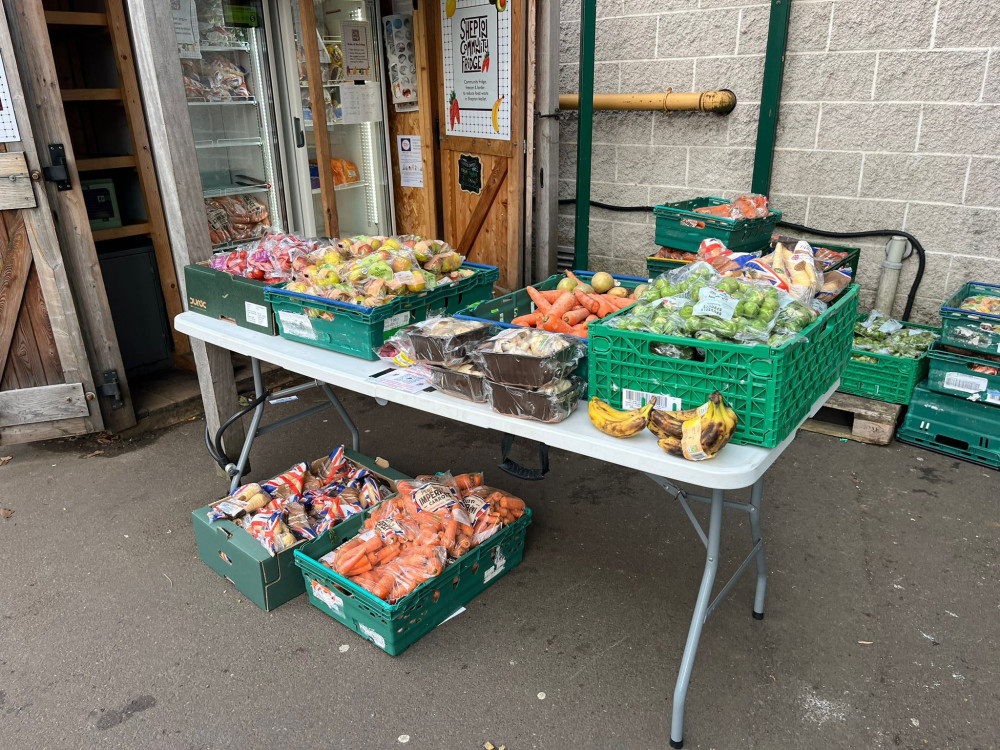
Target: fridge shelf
(219, 192)
(203, 102)
(337, 85)
(234, 47)
(229, 143)
(233, 244)
(345, 186)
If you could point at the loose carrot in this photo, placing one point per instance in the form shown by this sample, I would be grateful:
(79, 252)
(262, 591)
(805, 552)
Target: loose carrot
(591, 318)
(562, 306)
(540, 302)
(552, 294)
(580, 331)
(556, 325)
(573, 276)
(528, 321)
(586, 300)
(619, 302)
(576, 316)
(605, 308)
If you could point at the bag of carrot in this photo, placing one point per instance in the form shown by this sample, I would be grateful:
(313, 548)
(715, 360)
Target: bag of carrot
(416, 534)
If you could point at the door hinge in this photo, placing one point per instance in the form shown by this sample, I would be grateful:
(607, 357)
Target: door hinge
(57, 173)
(110, 388)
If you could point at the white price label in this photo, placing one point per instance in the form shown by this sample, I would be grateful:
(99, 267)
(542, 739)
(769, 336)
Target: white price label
(635, 399)
(397, 321)
(328, 598)
(957, 381)
(256, 314)
(497, 568)
(993, 397)
(716, 303)
(371, 635)
(296, 324)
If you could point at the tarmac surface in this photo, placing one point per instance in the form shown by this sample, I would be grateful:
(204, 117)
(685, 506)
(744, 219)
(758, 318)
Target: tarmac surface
(882, 618)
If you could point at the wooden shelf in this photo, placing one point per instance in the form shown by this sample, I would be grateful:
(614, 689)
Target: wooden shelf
(91, 95)
(105, 162)
(129, 230)
(71, 18)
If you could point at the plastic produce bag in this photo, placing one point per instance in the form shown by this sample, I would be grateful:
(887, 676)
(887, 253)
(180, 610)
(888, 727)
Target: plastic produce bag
(748, 206)
(461, 379)
(550, 403)
(442, 340)
(880, 334)
(527, 357)
(794, 262)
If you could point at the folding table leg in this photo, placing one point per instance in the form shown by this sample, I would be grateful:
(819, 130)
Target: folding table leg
(258, 412)
(756, 494)
(698, 619)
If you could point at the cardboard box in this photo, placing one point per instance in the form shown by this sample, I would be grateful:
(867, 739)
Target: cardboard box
(222, 296)
(267, 581)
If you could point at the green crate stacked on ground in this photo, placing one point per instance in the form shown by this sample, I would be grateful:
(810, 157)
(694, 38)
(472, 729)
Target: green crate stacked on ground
(964, 375)
(655, 266)
(396, 627)
(954, 426)
(677, 227)
(771, 389)
(967, 329)
(502, 310)
(359, 331)
(268, 580)
(888, 378)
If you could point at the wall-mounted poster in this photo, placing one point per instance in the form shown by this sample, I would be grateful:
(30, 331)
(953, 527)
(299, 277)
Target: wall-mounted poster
(358, 64)
(475, 37)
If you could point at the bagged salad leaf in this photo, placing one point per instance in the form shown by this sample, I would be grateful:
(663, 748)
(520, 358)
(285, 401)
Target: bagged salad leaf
(880, 334)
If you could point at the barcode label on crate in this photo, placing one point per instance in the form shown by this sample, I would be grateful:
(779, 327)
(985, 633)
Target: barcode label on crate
(296, 324)
(957, 381)
(256, 314)
(328, 598)
(397, 321)
(993, 397)
(634, 399)
(377, 638)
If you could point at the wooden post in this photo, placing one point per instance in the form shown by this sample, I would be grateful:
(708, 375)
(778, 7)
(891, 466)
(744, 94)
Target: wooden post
(310, 46)
(180, 189)
(546, 142)
(530, 96)
(30, 35)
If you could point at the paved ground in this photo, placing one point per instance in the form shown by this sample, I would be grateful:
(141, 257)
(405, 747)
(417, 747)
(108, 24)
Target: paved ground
(881, 629)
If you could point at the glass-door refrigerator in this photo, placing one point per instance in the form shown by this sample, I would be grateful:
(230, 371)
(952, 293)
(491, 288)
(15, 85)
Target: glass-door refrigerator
(227, 73)
(349, 74)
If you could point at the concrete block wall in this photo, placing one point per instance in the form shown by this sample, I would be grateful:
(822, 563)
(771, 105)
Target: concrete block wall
(890, 119)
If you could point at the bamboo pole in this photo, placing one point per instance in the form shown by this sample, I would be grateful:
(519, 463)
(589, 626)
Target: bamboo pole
(721, 102)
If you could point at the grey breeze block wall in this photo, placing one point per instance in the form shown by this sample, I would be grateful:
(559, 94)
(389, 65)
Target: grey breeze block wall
(890, 118)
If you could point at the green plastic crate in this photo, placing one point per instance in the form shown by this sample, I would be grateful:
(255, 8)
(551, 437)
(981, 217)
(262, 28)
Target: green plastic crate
(953, 426)
(359, 331)
(970, 330)
(952, 374)
(237, 556)
(655, 266)
(674, 227)
(396, 627)
(222, 296)
(770, 389)
(890, 379)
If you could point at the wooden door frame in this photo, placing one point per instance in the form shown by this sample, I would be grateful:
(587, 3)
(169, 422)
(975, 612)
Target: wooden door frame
(172, 141)
(30, 37)
(51, 271)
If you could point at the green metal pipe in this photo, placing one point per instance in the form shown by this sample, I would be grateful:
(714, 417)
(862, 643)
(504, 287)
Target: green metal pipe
(770, 96)
(585, 132)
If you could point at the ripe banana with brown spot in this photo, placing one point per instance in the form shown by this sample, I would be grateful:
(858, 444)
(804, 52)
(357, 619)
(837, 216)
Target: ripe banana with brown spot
(708, 429)
(620, 424)
(670, 423)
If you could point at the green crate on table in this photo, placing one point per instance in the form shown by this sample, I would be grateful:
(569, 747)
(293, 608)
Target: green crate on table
(655, 266)
(222, 296)
(770, 389)
(954, 375)
(237, 556)
(359, 331)
(890, 379)
(396, 627)
(675, 227)
(953, 426)
(971, 330)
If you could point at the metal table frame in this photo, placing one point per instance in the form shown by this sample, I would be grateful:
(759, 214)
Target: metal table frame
(736, 468)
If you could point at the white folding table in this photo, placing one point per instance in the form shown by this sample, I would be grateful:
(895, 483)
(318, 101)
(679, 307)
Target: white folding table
(735, 467)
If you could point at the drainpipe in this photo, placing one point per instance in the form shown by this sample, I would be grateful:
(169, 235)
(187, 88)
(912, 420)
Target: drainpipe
(889, 280)
(770, 95)
(721, 102)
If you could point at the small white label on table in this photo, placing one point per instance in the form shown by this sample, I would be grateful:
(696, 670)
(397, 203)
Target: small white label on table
(635, 399)
(957, 381)
(397, 321)
(296, 324)
(256, 314)
(409, 380)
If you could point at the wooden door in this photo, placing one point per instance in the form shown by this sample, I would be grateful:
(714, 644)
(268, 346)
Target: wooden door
(46, 386)
(482, 146)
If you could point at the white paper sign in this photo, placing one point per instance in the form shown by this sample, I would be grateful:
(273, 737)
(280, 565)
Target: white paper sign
(360, 103)
(357, 47)
(185, 16)
(405, 380)
(476, 47)
(8, 125)
(411, 165)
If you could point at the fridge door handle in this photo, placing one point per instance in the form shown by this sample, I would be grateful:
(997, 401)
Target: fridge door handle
(300, 136)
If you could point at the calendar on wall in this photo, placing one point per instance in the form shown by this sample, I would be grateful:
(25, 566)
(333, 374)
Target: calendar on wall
(8, 125)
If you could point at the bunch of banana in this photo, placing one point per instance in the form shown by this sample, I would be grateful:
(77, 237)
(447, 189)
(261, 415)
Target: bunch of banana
(620, 424)
(695, 434)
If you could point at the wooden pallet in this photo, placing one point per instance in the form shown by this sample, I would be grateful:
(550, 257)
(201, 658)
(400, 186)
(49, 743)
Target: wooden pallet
(856, 418)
